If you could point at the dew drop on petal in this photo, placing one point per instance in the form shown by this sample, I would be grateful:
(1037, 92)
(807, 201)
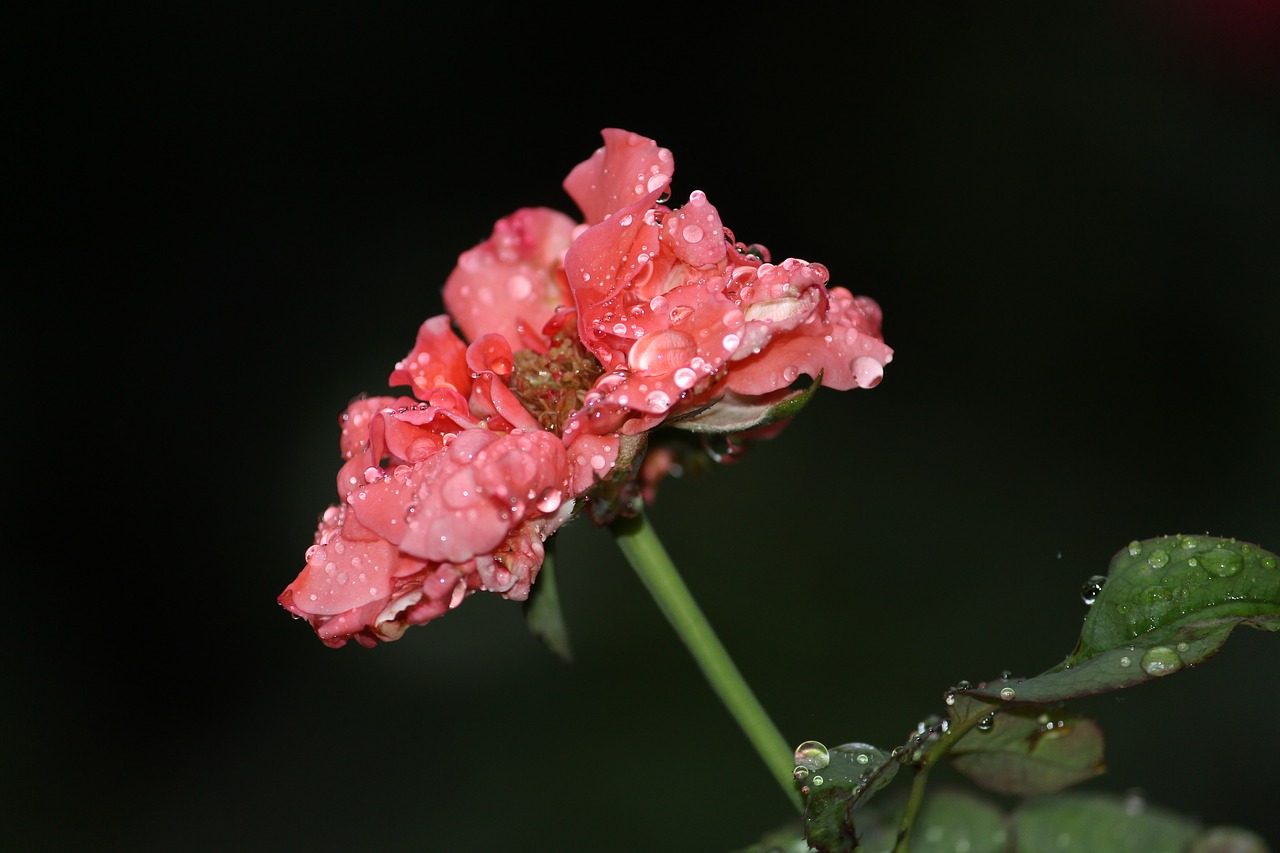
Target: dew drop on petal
(662, 351)
(867, 372)
(692, 233)
(549, 500)
(658, 400)
(519, 286)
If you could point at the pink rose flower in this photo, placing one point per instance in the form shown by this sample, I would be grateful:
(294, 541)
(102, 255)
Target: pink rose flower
(578, 341)
(682, 314)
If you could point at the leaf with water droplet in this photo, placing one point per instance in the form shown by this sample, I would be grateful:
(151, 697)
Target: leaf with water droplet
(1168, 603)
(542, 608)
(851, 774)
(1028, 750)
(736, 413)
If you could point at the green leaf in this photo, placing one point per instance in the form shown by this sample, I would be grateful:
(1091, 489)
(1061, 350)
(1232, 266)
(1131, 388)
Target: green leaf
(953, 819)
(542, 608)
(949, 820)
(1027, 750)
(828, 821)
(737, 413)
(835, 783)
(1087, 823)
(1165, 604)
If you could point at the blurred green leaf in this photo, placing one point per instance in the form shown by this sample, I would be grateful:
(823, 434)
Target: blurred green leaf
(1165, 604)
(952, 819)
(542, 608)
(1027, 750)
(1088, 823)
(949, 820)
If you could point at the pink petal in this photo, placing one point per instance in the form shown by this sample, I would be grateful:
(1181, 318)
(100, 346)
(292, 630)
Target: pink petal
(437, 360)
(509, 284)
(626, 169)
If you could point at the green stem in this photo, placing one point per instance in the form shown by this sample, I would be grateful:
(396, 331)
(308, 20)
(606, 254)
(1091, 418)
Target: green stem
(639, 542)
(916, 796)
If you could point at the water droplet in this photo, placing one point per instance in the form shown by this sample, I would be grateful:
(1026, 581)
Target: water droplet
(1221, 563)
(658, 401)
(1007, 693)
(1092, 588)
(949, 697)
(1269, 562)
(800, 773)
(1135, 548)
(663, 351)
(549, 501)
(1161, 660)
(862, 758)
(1189, 543)
(867, 372)
(1158, 559)
(1125, 660)
(813, 755)
(987, 723)
(817, 780)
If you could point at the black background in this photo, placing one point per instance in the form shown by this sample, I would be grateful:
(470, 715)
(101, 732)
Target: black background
(226, 221)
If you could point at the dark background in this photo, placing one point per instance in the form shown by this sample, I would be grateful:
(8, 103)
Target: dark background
(226, 221)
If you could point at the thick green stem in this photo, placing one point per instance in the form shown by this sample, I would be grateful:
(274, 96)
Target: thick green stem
(638, 541)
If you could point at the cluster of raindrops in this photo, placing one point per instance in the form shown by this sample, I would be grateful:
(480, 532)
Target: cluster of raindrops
(927, 732)
(810, 756)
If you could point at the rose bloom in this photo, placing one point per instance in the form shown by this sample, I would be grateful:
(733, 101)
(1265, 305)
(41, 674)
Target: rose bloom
(578, 340)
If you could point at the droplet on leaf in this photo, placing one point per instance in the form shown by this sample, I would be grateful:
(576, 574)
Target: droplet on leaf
(813, 755)
(1093, 587)
(1161, 660)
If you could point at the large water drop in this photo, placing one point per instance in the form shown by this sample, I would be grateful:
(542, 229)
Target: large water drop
(813, 755)
(1160, 660)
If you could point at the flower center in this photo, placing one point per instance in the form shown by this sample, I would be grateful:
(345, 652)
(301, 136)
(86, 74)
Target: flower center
(553, 386)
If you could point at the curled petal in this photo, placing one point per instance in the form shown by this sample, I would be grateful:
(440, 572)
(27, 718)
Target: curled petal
(626, 169)
(695, 232)
(437, 360)
(841, 343)
(510, 284)
(355, 421)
